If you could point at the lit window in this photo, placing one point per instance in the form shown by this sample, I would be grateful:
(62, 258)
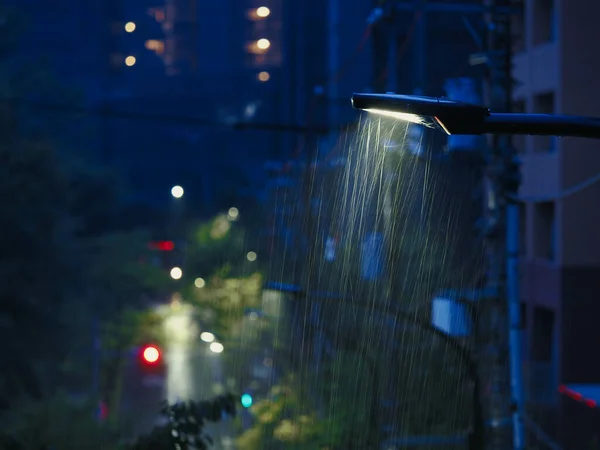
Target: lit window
(263, 44)
(130, 27)
(130, 61)
(263, 11)
(263, 76)
(155, 45)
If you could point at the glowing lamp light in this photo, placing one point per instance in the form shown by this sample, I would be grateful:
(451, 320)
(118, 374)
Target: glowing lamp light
(177, 191)
(246, 400)
(216, 347)
(251, 256)
(176, 273)
(263, 76)
(130, 27)
(456, 118)
(151, 354)
(233, 213)
(263, 11)
(130, 61)
(263, 44)
(207, 337)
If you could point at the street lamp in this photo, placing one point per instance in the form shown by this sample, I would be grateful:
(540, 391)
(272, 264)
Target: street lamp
(462, 118)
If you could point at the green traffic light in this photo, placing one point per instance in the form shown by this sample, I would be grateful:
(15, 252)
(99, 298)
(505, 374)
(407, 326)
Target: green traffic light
(246, 400)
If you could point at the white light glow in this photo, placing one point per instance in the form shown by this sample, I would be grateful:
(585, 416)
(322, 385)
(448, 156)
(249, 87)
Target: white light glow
(199, 283)
(207, 337)
(263, 11)
(130, 27)
(216, 347)
(177, 191)
(263, 44)
(251, 256)
(176, 273)
(233, 214)
(407, 117)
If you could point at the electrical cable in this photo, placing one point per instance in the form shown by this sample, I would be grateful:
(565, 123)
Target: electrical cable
(564, 194)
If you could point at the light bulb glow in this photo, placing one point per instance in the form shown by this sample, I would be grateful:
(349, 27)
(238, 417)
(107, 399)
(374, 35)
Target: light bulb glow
(177, 191)
(130, 27)
(216, 347)
(130, 61)
(263, 44)
(176, 273)
(263, 76)
(207, 337)
(263, 11)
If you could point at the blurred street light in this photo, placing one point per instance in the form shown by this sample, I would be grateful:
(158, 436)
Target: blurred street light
(199, 283)
(251, 256)
(233, 214)
(263, 76)
(263, 11)
(207, 337)
(263, 44)
(176, 273)
(130, 27)
(130, 61)
(177, 191)
(216, 347)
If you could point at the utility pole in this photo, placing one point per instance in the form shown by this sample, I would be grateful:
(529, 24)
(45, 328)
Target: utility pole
(500, 358)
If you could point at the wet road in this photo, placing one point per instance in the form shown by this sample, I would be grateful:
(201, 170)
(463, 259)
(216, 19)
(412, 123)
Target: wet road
(193, 373)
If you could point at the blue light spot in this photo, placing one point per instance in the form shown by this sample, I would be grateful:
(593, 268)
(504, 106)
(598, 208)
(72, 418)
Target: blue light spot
(246, 400)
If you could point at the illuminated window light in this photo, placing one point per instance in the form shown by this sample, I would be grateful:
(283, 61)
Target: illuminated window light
(155, 45)
(263, 76)
(263, 44)
(263, 12)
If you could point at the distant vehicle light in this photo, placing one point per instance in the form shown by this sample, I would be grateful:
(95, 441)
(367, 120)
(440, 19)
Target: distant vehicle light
(151, 354)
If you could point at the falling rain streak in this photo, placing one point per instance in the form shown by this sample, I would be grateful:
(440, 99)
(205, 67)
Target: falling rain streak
(385, 240)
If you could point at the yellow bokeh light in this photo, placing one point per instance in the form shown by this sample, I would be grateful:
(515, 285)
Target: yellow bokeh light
(263, 44)
(263, 11)
(130, 27)
(264, 76)
(130, 61)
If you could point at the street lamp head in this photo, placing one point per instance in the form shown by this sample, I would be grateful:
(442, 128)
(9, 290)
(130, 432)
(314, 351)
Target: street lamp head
(463, 118)
(446, 115)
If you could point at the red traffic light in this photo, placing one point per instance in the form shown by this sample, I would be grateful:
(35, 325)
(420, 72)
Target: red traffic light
(150, 354)
(163, 246)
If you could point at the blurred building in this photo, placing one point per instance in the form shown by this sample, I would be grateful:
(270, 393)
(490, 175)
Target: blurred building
(555, 67)
(163, 73)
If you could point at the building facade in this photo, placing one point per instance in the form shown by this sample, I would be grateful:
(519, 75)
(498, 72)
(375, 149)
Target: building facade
(554, 66)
